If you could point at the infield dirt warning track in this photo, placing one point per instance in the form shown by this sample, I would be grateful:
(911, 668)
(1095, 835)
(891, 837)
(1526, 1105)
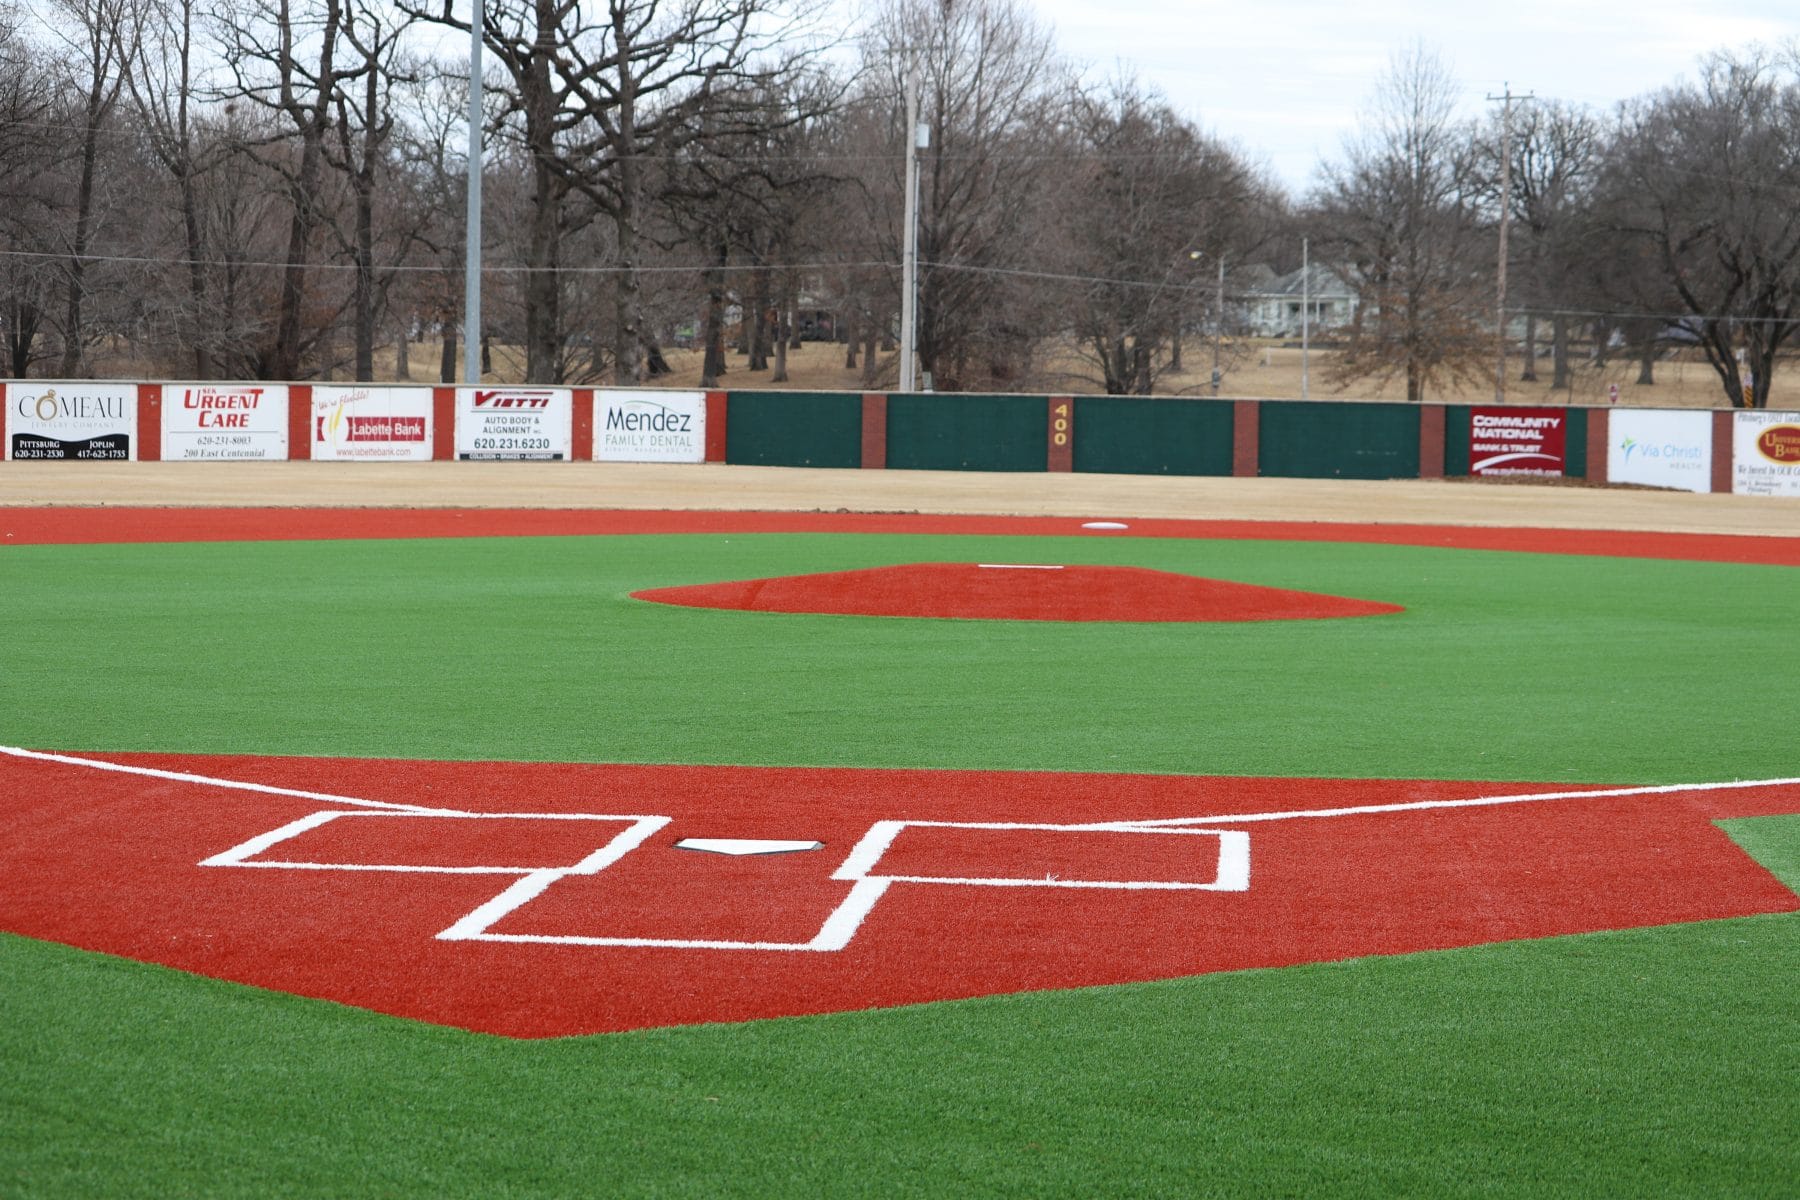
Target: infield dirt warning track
(536, 900)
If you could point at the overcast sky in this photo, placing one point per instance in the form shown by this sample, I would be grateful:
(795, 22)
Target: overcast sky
(1285, 79)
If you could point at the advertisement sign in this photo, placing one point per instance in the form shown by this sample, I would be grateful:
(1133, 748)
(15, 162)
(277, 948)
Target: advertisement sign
(71, 420)
(384, 424)
(514, 422)
(1517, 441)
(1765, 454)
(650, 426)
(1661, 448)
(224, 421)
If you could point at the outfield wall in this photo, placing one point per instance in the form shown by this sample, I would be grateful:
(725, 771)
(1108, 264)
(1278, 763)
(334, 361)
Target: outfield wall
(1752, 452)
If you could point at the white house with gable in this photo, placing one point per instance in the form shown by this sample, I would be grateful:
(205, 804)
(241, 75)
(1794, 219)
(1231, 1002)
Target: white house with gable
(1273, 308)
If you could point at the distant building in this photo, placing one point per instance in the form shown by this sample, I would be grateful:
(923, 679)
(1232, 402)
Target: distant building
(1273, 307)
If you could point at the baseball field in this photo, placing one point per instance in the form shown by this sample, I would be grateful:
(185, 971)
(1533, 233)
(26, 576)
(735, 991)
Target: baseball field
(719, 831)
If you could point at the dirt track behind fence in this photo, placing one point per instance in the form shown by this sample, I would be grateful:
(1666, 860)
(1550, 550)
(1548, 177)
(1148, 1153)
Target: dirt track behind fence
(655, 486)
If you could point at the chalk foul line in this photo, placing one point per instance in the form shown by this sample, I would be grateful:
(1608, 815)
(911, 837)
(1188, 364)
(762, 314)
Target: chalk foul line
(1232, 872)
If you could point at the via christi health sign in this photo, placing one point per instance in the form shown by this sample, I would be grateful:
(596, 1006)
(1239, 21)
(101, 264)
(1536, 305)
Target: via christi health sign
(86, 421)
(377, 424)
(1517, 441)
(1765, 454)
(1660, 448)
(519, 422)
(650, 426)
(225, 421)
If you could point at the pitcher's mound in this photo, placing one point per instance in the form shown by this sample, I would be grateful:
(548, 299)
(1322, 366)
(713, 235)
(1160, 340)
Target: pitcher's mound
(1017, 592)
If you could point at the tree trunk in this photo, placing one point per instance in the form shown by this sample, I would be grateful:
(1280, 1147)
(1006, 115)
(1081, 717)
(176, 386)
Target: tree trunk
(759, 328)
(851, 332)
(447, 361)
(1560, 377)
(402, 353)
(713, 333)
(1647, 361)
(871, 365)
(780, 374)
(1529, 374)
(74, 337)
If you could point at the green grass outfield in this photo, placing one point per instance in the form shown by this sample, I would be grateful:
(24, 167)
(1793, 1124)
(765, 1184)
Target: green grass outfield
(1646, 1062)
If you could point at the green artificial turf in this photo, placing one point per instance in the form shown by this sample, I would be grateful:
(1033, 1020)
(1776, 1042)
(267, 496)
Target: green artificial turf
(1505, 666)
(1647, 1062)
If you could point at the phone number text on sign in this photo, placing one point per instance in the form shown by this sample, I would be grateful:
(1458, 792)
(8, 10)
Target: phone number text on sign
(514, 423)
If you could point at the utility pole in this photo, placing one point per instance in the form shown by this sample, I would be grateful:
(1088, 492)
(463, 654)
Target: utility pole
(1305, 314)
(472, 210)
(909, 266)
(1506, 101)
(1218, 327)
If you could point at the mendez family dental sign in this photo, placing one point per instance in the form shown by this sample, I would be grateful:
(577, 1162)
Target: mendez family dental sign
(650, 426)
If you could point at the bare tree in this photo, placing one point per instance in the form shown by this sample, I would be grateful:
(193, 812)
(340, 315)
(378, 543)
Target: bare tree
(992, 85)
(1151, 207)
(102, 36)
(287, 61)
(1402, 210)
(1706, 176)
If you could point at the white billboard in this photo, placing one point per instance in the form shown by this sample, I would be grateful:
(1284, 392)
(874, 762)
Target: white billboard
(514, 422)
(1661, 448)
(383, 424)
(1765, 454)
(87, 421)
(224, 421)
(650, 426)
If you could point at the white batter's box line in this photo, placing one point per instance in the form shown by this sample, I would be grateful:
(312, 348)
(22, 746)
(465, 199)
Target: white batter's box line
(1231, 875)
(638, 828)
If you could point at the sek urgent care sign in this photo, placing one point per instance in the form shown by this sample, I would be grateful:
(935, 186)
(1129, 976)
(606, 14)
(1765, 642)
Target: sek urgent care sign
(378, 424)
(649, 426)
(514, 423)
(224, 421)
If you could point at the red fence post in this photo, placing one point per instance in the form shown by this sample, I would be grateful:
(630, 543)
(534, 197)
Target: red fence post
(1062, 434)
(300, 422)
(874, 431)
(1724, 448)
(715, 426)
(1244, 441)
(443, 423)
(149, 430)
(581, 427)
(1431, 442)
(1596, 447)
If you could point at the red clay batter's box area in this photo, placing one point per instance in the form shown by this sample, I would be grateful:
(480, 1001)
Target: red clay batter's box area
(547, 899)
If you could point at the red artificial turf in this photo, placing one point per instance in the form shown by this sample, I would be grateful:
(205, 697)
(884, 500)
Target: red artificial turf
(1017, 592)
(23, 526)
(110, 862)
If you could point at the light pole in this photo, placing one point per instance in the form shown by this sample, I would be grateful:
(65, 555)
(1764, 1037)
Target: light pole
(472, 211)
(909, 267)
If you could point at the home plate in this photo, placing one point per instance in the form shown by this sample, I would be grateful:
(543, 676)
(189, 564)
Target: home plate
(745, 845)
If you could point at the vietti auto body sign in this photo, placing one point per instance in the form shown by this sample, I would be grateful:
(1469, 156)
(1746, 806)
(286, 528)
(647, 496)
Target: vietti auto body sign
(517, 422)
(650, 426)
(380, 424)
(1517, 441)
(86, 421)
(224, 421)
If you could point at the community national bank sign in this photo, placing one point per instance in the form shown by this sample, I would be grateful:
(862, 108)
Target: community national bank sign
(649, 426)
